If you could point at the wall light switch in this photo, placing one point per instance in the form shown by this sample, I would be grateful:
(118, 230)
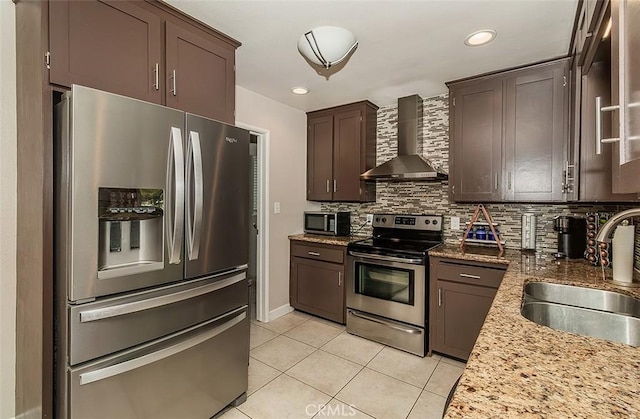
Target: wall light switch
(455, 223)
(276, 207)
(369, 219)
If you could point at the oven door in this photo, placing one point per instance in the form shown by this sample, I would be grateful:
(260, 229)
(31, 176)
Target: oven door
(387, 286)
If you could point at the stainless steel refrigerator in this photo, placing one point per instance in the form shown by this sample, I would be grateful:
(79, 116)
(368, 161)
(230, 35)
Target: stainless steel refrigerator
(151, 255)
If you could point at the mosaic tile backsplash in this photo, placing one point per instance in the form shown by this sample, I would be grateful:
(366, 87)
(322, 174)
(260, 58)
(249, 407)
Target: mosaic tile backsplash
(426, 197)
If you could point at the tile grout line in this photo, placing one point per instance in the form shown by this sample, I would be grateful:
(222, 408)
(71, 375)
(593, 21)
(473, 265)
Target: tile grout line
(279, 374)
(341, 388)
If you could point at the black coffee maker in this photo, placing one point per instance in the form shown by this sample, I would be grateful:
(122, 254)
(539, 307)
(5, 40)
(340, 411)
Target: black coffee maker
(572, 236)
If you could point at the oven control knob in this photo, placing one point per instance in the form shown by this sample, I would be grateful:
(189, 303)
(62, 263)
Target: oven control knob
(435, 222)
(377, 219)
(384, 220)
(427, 222)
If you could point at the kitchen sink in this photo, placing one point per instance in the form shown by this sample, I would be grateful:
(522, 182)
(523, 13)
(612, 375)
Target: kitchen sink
(582, 297)
(584, 321)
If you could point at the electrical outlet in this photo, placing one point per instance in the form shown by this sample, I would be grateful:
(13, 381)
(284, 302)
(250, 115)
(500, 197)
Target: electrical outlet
(276, 207)
(455, 223)
(369, 219)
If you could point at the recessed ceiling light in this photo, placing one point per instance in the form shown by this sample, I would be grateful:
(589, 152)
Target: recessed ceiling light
(300, 90)
(478, 38)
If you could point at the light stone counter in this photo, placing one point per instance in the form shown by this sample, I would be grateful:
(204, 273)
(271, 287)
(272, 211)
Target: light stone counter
(334, 240)
(521, 369)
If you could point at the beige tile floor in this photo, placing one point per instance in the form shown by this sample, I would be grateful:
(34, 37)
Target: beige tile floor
(302, 367)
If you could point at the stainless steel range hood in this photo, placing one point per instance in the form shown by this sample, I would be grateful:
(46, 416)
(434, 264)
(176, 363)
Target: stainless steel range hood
(409, 164)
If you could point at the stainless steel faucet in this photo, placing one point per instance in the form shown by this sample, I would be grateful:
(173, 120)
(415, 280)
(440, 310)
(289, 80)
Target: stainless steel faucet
(604, 234)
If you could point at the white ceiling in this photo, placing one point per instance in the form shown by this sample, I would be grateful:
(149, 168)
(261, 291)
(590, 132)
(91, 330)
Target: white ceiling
(405, 47)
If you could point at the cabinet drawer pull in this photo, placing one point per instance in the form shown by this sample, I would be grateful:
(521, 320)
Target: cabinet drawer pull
(406, 329)
(314, 253)
(470, 276)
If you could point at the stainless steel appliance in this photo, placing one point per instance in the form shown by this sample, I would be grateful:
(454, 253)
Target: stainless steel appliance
(387, 281)
(151, 258)
(328, 223)
(409, 164)
(572, 238)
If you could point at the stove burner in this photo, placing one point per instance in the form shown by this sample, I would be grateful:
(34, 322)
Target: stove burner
(397, 235)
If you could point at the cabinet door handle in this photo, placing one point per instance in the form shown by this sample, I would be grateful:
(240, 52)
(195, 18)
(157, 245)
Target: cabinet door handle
(335, 185)
(327, 185)
(314, 253)
(470, 276)
(509, 180)
(156, 75)
(439, 297)
(567, 185)
(173, 82)
(599, 110)
(495, 182)
(339, 279)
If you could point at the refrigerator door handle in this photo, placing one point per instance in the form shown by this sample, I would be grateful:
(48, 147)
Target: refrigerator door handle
(137, 306)
(126, 366)
(175, 183)
(194, 215)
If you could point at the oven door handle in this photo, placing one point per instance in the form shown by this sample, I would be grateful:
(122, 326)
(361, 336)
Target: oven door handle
(373, 256)
(406, 329)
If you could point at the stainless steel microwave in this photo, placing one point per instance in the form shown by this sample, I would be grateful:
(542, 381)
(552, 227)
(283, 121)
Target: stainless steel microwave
(329, 223)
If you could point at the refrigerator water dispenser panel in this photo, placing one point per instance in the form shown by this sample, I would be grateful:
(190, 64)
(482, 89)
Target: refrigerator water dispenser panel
(131, 231)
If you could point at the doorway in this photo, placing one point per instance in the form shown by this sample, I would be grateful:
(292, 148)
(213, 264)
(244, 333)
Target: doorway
(258, 270)
(253, 229)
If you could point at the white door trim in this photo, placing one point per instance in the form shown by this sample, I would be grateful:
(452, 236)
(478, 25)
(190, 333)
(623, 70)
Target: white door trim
(262, 262)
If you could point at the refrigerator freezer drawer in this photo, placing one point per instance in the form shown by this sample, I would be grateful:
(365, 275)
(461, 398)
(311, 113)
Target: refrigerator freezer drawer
(191, 374)
(104, 327)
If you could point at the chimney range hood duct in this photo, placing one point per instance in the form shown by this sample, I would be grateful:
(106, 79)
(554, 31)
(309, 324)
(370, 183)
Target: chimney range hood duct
(409, 164)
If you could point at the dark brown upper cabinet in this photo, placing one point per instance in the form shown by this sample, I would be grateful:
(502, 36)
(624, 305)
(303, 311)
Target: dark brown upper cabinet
(320, 158)
(594, 181)
(625, 91)
(508, 135)
(476, 141)
(109, 45)
(200, 74)
(588, 20)
(341, 144)
(536, 116)
(592, 171)
(145, 50)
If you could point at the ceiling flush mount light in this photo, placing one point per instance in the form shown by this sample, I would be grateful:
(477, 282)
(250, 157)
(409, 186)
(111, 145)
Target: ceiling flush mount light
(482, 37)
(327, 45)
(300, 90)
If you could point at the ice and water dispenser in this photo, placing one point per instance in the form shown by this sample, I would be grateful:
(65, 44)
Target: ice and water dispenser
(131, 233)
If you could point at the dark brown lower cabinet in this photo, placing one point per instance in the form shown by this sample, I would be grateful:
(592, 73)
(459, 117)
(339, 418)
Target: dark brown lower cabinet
(461, 295)
(316, 281)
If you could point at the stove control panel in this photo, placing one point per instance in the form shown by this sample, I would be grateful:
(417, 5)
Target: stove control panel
(412, 222)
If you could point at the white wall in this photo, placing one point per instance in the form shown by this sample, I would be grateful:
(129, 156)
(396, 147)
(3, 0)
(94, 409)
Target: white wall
(286, 179)
(8, 170)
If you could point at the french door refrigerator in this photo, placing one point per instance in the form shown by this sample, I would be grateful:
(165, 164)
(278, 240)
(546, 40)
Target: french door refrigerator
(151, 253)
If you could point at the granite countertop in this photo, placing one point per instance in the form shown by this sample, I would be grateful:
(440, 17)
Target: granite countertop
(334, 240)
(520, 369)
